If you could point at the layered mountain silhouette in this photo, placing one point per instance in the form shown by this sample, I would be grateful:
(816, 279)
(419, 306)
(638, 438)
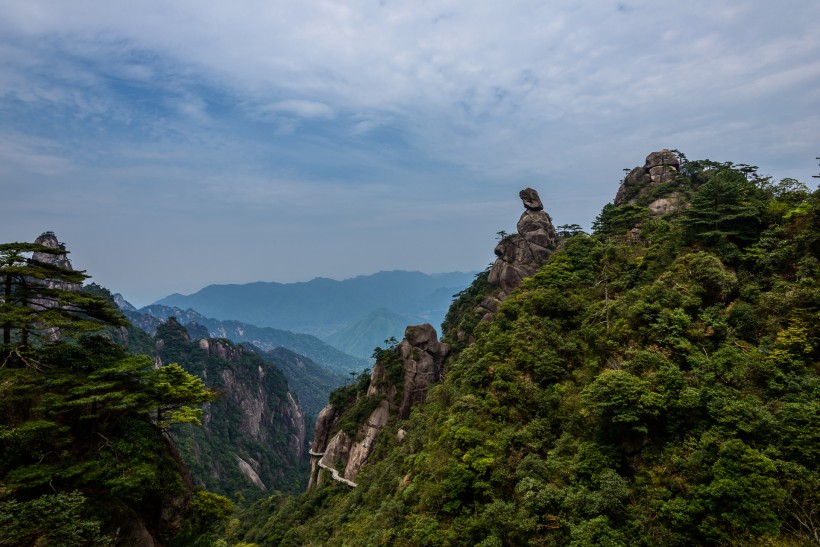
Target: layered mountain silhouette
(325, 307)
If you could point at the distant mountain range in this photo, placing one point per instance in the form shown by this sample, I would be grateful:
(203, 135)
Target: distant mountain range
(265, 338)
(353, 315)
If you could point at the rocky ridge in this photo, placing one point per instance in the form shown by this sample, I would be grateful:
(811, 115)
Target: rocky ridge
(402, 375)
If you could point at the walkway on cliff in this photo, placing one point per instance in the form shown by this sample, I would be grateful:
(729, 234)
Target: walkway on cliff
(333, 472)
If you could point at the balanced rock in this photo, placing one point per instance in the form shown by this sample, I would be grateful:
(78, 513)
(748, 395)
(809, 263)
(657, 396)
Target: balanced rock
(520, 255)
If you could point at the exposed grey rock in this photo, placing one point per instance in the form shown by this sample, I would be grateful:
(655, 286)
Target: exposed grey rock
(322, 429)
(122, 303)
(337, 451)
(662, 158)
(217, 347)
(366, 440)
(531, 200)
(251, 474)
(520, 255)
(49, 239)
(660, 167)
(669, 204)
(423, 358)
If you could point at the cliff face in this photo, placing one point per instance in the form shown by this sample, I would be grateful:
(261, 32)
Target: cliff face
(422, 357)
(49, 239)
(347, 429)
(252, 437)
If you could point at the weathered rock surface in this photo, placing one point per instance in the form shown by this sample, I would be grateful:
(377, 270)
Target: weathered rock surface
(422, 358)
(520, 255)
(49, 239)
(660, 167)
(253, 435)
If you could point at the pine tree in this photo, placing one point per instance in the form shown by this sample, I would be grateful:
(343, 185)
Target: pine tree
(42, 301)
(723, 211)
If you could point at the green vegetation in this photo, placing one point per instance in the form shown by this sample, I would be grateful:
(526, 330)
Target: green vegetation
(83, 460)
(251, 418)
(656, 386)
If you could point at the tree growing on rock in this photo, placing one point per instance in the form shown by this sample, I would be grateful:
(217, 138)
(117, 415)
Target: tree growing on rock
(41, 300)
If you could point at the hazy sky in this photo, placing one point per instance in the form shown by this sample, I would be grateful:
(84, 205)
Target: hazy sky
(174, 144)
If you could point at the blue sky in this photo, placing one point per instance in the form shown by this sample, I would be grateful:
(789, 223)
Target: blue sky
(174, 144)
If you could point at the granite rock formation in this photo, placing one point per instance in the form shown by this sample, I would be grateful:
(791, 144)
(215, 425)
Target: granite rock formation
(422, 360)
(520, 255)
(49, 239)
(660, 167)
(422, 357)
(252, 437)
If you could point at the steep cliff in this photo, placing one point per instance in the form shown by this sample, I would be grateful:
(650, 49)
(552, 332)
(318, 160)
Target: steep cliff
(252, 438)
(347, 429)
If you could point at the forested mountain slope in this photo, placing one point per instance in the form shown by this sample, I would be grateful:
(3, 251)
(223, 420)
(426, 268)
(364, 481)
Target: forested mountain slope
(265, 338)
(655, 383)
(252, 438)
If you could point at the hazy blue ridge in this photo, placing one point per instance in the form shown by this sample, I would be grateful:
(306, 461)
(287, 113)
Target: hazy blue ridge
(361, 337)
(324, 306)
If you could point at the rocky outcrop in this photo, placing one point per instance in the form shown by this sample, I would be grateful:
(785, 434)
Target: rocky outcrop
(60, 260)
(49, 239)
(421, 358)
(219, 347)
(520, 255)
(660, 167)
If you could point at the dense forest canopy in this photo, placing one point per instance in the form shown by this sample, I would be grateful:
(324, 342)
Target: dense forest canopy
(655, 383)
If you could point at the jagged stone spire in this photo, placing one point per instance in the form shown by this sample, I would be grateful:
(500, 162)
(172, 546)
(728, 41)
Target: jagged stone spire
(520, 255)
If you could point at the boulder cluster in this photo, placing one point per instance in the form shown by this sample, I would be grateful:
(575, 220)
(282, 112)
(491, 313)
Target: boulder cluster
(660, 167)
